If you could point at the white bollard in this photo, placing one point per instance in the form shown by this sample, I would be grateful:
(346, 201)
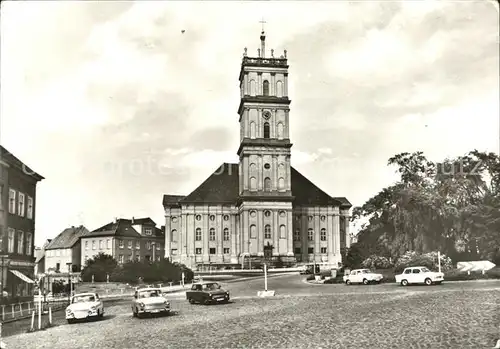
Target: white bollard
(33, 320)
(50, 315)
(40, 314)
(12, 307)
(498, 345)
(21, 308)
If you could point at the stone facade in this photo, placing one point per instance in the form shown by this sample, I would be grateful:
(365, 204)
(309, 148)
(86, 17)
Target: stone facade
(261, 202)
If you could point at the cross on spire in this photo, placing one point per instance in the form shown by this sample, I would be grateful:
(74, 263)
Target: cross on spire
(263, 22)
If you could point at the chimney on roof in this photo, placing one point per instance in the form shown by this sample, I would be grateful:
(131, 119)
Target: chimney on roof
(116, 219)
(132, 220)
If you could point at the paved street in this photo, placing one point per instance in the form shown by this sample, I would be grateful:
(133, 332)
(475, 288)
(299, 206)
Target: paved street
(452, 315)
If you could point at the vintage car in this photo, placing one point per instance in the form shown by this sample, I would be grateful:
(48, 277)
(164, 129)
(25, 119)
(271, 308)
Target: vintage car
(207, 293)
(149, 301)
(362, 276)
(84, 306)
(419, 275)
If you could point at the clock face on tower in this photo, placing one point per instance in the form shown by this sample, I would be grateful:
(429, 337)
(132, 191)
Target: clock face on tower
(267, 115)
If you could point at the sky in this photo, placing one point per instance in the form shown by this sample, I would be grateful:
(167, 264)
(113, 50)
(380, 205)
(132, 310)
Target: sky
(115, 106)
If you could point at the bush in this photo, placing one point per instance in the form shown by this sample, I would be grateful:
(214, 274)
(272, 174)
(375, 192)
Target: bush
(429, 260)
(164, 271)
(336, 280)
(310, 277)
(376, 262)
(456, 275)
(354, 257)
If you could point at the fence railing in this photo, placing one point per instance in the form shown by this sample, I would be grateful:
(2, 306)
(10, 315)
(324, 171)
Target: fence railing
(24, 309)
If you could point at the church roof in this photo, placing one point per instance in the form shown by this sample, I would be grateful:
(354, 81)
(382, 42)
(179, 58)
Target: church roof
(222, 187)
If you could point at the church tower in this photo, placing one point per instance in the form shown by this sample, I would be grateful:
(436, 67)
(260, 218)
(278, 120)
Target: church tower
(265, 193)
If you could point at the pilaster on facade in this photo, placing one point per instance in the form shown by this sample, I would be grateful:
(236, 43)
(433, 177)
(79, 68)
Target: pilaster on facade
(336, 233)
(183, 236)
(289, 229)
(168, 234)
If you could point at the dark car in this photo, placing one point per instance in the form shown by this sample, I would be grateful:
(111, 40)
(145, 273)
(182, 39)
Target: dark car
(207, 293)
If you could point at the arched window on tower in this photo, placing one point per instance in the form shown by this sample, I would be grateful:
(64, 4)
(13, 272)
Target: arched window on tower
(253, 231)
(266, 130)
(279, 89)
(252, 87)
(267, 184)
(279, 130)
(265, 88)
(282, 232)
(253, 183)
(281, 183)
(252, 130)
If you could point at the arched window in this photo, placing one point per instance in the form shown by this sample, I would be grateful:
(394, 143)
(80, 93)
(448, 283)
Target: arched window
(265, 88)
(173, 236)
(323, 234)
(226, 234)
(282, 232)
(212, 234)
(280, 130)
(253, 231)
(267, 232)
(253, 183)
(279, 89)
(310, 234)
(197, 237)
(252, 87)
(267, 184)
(253, 169)
(266, 130)
(281, 183)
(252, 130)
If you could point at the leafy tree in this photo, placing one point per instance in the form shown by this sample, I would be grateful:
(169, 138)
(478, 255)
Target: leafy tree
(100, 266)
(354, 257)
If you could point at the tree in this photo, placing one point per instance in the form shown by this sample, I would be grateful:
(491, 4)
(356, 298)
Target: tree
(100, 267)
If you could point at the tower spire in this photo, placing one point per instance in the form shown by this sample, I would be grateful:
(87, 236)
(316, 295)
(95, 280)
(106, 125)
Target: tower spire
(262, 40)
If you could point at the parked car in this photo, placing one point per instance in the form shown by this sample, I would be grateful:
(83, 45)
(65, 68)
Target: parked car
(84, 306)
(207, 293)
(419, 275)
(362, 276)
(149, 300)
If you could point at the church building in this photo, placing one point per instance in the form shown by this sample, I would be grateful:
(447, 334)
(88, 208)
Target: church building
(261, 206)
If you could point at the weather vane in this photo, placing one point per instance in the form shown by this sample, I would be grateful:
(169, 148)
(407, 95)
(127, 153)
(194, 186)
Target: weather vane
(262, 21)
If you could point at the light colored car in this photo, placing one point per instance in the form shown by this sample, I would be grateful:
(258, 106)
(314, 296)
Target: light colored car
(362, 276)
(84, 306)
(419, 275)
(149, 301)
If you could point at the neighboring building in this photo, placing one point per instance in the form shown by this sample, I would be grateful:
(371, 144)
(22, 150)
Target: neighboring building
(125, 240)
(40, 258)
(63, 249)
(262, 205)
(17, 224)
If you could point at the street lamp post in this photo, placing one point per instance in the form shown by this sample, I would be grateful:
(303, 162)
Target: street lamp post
(3, 267)
(69, 280)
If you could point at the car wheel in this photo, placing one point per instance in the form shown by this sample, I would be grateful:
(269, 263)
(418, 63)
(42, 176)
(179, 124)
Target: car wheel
(102, 313)
(428, 282)
(365, 282)
(348, 282)
(404, 282)
(70, 321)
(191, 300)
(207, 301)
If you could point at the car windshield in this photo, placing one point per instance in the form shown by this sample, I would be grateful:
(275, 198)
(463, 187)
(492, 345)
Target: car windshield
(83, 299)
(425, 270)
(149, 294)
(210, 287)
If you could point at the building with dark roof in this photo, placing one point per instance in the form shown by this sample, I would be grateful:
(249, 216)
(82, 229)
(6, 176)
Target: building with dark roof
(125, 240)
(261, 206)
(63, 249)
(18, 184)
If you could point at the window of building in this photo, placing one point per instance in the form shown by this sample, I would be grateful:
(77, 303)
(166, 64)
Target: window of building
(310, 234)
(265, 88)
(137, 245)
(253, 183)
(158, 246)
(212, 217)
(267, 213)
(20, 205)
(86, 245)
(282, 231)
(29, 212)
(296, 235)
(323, 218)
(267, 184)
(280, 130)
(138, 258)
(130, 244)
(212, 234)
(198, 217)
(253, 231)
(297, 250)
(174, 219)
(121, 259)
(20, 242)
(148, 231)
(173, 252)
(158, 258)
(100, 244)
(148, 245)
(12, 201)
(148, 258)
(281, 183)
(108, 244)
(226, 234)
(226, 250)
(29, 242)
(173, 235)
(58, 267)
(279, 89)
(310, 250)
(197, 250)
(121, 244)
(197, 236)
(212, 250)
(267, 130)
(323, 234)
(267, 232)
(93, 244)
(323, 250)
(226, 217)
